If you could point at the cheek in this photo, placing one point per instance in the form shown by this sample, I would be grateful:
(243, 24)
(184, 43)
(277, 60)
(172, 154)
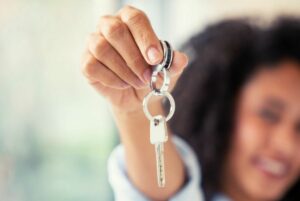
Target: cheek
(249, 138)
(249, 135)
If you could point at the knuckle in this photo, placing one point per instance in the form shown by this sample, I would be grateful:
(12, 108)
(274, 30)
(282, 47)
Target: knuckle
(137, 64)
(127, 8)
(100, 47)
(113, 28)
(103, 20)
(110, 81)
(89, 67)
(133, 16)
(136, 61)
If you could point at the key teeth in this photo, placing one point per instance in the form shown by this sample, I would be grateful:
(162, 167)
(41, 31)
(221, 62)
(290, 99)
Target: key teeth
(160, 168)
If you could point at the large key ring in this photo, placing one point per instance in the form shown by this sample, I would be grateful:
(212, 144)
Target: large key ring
(166, 94)
(162, 67)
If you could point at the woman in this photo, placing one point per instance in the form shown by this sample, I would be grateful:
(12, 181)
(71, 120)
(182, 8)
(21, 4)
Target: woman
(236, 131)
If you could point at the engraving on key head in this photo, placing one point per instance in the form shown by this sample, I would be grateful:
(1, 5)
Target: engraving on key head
(158, 130)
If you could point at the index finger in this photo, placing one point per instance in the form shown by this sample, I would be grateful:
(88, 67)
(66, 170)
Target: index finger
(143, 34)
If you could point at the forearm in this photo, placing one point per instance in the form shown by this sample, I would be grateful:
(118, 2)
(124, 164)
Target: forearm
(140, 155)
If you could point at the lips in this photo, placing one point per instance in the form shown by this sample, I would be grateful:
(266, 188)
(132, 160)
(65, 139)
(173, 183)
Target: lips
(272, 168)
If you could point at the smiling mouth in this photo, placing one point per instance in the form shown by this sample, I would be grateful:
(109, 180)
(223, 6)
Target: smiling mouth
(272, 168)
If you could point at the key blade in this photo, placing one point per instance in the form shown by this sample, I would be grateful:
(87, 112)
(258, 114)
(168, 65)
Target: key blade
(160, 164)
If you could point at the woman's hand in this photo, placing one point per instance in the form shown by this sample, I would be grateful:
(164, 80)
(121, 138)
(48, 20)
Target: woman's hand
(118, 64)
(118, 58)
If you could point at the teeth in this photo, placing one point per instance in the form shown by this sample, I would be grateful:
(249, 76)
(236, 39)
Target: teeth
(274, 167)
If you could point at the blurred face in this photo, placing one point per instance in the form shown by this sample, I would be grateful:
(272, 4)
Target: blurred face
(264, 157)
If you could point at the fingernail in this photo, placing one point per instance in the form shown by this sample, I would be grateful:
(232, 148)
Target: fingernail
(147, 75)
(153, 55)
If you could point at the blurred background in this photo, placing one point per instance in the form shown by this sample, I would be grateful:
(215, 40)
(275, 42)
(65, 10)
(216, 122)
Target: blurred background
(56, 132)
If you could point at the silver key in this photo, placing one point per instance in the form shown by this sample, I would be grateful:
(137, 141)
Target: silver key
(158, 136)
(158, 128)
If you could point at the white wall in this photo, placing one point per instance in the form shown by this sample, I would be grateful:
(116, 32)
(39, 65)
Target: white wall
(185, 17)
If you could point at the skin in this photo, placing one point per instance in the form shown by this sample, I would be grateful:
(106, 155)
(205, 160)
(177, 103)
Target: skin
(268, 127)
(117, 63)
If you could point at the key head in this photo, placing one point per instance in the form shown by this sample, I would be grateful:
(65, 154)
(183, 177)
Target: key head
(158, 130)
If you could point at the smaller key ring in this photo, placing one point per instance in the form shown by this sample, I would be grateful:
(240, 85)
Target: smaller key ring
(168, 56)
(166, 94)
(165, 84)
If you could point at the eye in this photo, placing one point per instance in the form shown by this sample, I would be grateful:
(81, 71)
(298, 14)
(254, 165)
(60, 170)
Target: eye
(269, 115)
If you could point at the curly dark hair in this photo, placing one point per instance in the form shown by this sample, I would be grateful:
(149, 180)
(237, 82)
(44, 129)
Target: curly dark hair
(223, 57)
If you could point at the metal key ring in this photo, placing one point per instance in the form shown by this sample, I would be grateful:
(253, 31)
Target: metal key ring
(166, 94)
(168, 56)
(165, 84)
(163, 67)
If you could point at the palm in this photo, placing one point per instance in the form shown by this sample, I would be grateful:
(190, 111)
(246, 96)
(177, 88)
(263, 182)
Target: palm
(129, 99)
